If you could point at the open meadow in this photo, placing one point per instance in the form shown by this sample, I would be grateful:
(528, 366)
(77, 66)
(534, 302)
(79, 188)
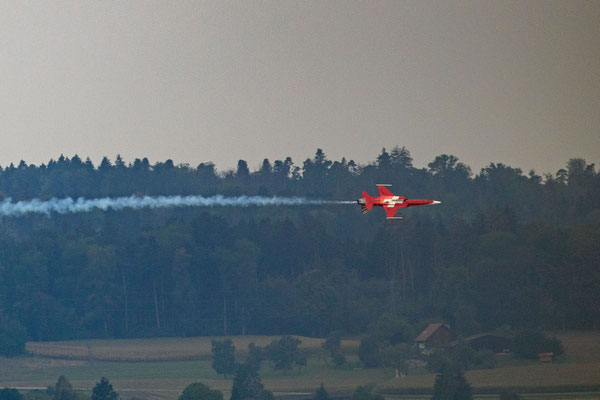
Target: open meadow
(154, 349)
(160, 369)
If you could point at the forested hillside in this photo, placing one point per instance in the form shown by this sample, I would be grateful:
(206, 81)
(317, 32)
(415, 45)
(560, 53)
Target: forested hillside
(503, 248)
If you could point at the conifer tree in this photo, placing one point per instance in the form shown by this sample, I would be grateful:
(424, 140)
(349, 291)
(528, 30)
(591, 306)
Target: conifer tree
(321, 393)
(451, 384)
(104, 391)
(63, 390)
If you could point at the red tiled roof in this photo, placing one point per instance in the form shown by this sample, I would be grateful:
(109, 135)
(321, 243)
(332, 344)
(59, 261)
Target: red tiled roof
(431, 328)
(477, 336)
(480, 335)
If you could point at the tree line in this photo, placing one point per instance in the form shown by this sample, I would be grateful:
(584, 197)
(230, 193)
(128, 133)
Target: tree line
(63, 390)
(283, 354)
(503, 248)
(246, 385)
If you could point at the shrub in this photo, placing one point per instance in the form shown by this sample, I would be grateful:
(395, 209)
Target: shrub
(333, 343)
(508, 395)
(199, 391)
(368, 352)
(256, 355)
(485, 359)
(36, 395)
(439, 359)
(10, 394)
(338, 359)
(366, 393)
(528, 344)
(461, 356)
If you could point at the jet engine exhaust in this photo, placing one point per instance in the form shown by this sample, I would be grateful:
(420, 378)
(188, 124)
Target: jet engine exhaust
(69, 205)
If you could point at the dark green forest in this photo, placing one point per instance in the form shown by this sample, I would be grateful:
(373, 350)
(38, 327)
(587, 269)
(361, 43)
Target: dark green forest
(505, 248)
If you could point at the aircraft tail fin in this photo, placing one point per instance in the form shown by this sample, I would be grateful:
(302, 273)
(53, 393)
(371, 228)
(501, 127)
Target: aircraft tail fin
(368, 201)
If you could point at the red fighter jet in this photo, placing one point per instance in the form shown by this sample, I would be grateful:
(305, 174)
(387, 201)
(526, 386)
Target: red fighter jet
(390, 202)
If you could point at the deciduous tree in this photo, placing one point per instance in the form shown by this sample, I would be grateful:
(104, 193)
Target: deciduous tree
(223, 352)
(284, 353)
(200, 391)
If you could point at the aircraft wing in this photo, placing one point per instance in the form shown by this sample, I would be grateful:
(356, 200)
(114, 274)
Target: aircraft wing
(391, 211)
(383, 191)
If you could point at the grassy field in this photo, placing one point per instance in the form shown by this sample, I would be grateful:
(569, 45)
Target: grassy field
(166, 379)
(161, 368)
(155, 349)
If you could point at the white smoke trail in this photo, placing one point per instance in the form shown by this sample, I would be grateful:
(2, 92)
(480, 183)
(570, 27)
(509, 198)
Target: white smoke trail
(69, 205)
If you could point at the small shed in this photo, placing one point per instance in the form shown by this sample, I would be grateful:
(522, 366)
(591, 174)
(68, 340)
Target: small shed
(545, 357)
(435, 335)
(488, 341)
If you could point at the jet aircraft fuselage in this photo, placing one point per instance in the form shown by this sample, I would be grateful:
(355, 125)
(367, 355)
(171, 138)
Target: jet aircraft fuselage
(390, 202)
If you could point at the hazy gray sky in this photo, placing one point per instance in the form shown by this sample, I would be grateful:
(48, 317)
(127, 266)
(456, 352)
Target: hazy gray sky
(488, 81)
